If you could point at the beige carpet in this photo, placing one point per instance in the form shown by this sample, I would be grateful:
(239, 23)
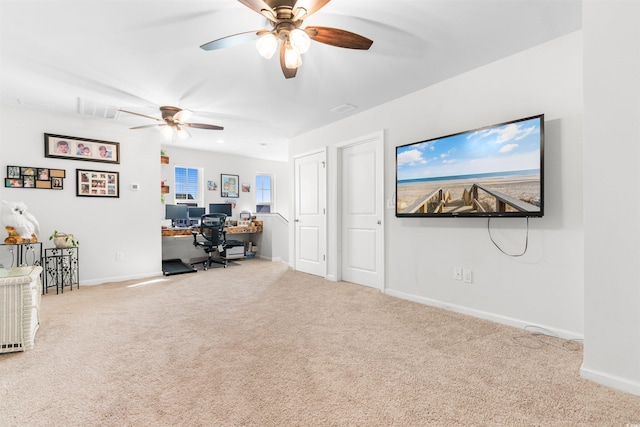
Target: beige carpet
(259, 345)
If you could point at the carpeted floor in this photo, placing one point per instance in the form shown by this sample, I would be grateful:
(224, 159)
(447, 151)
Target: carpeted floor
(260, 345)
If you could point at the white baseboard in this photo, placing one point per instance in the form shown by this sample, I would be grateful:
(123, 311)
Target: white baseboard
(611, 381)
(509, 321)
(94, 282)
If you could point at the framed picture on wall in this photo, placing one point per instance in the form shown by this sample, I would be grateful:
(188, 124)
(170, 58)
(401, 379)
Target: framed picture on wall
(91, 183)
(228, 185)
(73, 148)
(32, 177)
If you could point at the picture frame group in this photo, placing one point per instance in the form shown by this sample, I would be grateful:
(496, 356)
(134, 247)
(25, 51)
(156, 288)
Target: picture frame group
(94, 183)
(33, 177)
(74, 148)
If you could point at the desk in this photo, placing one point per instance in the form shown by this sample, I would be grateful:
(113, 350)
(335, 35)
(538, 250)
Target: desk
(256, 228)
(177, 243)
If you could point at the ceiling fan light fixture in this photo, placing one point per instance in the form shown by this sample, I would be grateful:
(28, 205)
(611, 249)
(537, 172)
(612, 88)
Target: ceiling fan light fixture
(299, 13)
(299, 40)
(183, 116)
(267, 45)
(167, 133)
(292, 58)
(182, 134)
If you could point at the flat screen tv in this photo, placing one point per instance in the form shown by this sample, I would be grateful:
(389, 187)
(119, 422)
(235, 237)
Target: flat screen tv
(492, 171)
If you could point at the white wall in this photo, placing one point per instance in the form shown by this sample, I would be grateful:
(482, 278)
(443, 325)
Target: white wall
(612, 202)
(544, 287)
(274, 244)
(131, 223)
(215, 164)
(246, 168)
(103, 226)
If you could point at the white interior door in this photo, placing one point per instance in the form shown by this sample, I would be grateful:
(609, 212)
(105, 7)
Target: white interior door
(362, 210)
(310, 214)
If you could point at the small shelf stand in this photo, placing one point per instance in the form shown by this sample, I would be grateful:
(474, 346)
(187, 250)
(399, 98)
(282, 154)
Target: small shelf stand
(61, 268)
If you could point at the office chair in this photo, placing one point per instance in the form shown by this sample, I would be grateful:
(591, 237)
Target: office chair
(212, 230)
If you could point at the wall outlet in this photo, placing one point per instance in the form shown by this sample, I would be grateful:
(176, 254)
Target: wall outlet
(119, 256)
(457, 273)
(467, 276)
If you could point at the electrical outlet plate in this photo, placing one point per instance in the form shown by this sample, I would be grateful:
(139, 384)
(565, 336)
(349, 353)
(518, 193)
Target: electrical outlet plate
(457, 273)
(467, 276)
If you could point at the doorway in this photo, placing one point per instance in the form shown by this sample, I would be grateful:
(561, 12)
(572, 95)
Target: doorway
(361, 210)
(310, 232)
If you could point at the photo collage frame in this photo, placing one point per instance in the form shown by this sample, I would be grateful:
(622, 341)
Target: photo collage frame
(33, 177)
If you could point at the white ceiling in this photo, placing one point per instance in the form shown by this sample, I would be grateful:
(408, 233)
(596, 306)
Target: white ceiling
(140, 54)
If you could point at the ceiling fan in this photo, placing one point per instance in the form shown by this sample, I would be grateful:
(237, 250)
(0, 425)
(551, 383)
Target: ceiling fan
(174, 119)
(286, 17)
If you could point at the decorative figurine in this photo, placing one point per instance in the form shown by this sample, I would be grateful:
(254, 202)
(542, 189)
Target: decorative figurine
(20, 224)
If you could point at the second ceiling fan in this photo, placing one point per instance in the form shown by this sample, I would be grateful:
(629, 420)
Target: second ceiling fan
(173, 119)
(286, 17)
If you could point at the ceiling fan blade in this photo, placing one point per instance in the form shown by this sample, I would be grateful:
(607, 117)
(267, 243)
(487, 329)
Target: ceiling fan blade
(232, 40)
(288, 72)
(260, 7)
(312, 6)
(203, 126)
(339, 38)
(142, 115)
(148, 126)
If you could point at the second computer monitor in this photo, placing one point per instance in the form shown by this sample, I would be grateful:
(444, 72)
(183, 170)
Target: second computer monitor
(224, 208)
(196, 212)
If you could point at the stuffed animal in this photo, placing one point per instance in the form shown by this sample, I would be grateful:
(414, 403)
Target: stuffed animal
(25, 225)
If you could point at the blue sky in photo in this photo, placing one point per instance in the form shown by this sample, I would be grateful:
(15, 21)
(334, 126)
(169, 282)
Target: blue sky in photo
(509, 147)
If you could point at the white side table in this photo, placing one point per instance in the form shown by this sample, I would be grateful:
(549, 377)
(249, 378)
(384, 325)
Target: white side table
(20, 293)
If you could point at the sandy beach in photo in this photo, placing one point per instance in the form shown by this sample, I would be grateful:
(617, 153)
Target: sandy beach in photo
(526, 188)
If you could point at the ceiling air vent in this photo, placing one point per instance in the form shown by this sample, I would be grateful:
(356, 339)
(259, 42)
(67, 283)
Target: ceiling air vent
(344, 108)
(94, 109)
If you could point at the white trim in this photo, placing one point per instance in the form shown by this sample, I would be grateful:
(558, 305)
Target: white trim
(120, 278)
(611, 381)
(509, 321)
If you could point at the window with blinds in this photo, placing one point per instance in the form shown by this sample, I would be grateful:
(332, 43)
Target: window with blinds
(188, 183)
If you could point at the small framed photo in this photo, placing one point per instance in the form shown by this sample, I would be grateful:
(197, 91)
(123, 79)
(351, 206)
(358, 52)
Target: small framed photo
(28, 171)
(57, 183)
(229, 185)
(13, 171)
(13, 182)
(43, 174)
(92, 183)
(71, 147)
(246, 187)
(29, 181)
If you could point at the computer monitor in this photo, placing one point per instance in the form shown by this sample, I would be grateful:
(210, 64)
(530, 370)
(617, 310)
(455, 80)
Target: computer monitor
(225, 208)
(177, 214)
(196, 212)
